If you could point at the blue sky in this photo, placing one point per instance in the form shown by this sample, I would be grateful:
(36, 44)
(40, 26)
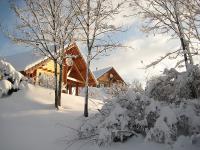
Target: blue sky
(5, 16)
(127, 62)
(8, 19)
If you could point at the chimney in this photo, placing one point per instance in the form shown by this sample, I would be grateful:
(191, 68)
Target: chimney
(96, 68)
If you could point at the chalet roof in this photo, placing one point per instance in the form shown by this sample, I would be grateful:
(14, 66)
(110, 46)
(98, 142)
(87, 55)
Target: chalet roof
(101, 72)
(25, 60)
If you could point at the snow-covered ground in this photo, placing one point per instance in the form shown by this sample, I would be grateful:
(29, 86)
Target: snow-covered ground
(97, 93)
(29, 121)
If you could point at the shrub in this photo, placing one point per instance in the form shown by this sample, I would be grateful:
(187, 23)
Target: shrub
(119, 119)
(11, 80)
(173, 85)
(135, 113)
(5, 87)
(162, 113)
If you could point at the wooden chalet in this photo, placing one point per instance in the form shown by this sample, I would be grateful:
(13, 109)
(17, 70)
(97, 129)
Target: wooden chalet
(74, 74)
(107, 77)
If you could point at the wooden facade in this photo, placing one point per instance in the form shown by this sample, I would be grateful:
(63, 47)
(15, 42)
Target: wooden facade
(74, 75)
(108, 77)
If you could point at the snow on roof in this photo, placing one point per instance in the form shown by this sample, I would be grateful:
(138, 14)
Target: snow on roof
(25, 60)
(100, 72)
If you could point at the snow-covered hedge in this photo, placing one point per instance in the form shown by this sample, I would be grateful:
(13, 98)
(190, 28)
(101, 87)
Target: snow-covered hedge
(118, 119)
(10, 79)
(175, 85)
(136, 113)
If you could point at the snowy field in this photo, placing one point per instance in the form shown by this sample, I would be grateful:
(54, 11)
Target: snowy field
(29, 121)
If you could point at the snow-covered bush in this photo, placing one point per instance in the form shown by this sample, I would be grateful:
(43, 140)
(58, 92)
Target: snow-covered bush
(10, 79)
(117, 90)
(46, 80)
(135, 113)
(175, 85)
(175, 119)
(164, 129)
(119, 119)
(188, 115)
(105, 93)
(97, 93)
(152, 112)
(5, 87)
(166, 111)
(136, 86)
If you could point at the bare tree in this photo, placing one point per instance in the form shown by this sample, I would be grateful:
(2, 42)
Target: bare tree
(192, 8)
(47, 26)
(96, 28)
(136, 86)
(167, 17)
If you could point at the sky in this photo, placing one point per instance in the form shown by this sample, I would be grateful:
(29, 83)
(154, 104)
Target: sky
(129, 63)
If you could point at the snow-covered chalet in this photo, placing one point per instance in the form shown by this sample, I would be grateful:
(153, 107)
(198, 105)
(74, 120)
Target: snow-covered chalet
(34, 66)
(107, 77)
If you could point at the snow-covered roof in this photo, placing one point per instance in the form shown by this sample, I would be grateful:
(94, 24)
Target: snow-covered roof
(100, 72)
(25, 60)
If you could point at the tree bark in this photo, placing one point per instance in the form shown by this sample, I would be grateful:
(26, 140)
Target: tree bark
(60, 84)
(56, 83)
(86, 89)
(185, 47)
(184, 52)
(88, 59)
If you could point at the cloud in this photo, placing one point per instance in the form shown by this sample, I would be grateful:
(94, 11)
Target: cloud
(121, 18)
(130, 62)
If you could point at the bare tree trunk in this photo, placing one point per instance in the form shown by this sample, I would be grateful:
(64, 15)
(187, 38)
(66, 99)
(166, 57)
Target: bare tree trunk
(88, 60)
(60, 84)
(86, 88)
(184, 52)
(185, 47)
(187, 54)
(56, 83)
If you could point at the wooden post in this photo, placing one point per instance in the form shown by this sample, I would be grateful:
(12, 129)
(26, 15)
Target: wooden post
(65, 72)
(70, 87)
(67, 89)
(76, 89)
